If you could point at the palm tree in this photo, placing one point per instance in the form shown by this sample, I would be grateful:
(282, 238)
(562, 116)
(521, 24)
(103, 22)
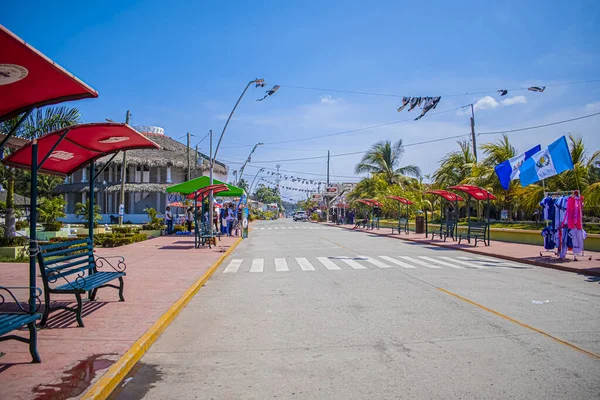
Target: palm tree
(383, 159)
(455, 167)
(38, 123)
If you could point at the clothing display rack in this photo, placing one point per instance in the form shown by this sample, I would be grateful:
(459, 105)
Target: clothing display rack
(558, 234)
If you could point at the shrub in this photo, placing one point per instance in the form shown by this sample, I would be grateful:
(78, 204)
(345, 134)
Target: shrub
(124, 229)
(53, 226)
(118, 239)
(157, 225)
(21, 224)
(14, 241)
(179, 228)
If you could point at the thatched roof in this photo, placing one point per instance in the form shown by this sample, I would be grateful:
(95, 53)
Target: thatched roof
(113, 187)
(171, 153)
(20, 201)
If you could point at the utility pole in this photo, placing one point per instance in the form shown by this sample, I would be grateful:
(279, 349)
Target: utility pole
(278, 176)
(328, 168)
(196, 164)
(210, 198)
(473, 133)
(189, 172)
(327, 198)
(123, 176)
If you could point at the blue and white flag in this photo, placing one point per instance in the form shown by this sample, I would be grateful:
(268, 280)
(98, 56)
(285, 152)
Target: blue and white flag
(509, 169)
(547, 162)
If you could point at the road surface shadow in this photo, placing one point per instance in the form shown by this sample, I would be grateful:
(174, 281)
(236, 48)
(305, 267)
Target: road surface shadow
(137, 383)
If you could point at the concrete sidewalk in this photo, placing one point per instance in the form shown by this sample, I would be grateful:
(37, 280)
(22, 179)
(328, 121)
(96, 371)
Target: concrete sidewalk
(159, 271)
(525, 253)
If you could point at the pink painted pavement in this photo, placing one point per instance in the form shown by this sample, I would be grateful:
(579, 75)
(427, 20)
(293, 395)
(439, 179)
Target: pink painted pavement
(159, 271)
(526, 253)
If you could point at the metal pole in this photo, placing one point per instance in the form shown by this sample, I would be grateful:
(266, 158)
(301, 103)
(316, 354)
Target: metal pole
(250, 187)
(473, 132)
(247, 161)
(123, 176)
(212, 161)
(91, 206)
(32, 223)
(189, 172)
(326, 198)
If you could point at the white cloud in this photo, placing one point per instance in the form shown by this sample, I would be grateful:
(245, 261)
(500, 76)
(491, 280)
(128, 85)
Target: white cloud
(592, 107)
(327, 99)
(514, 100)
(486, 103)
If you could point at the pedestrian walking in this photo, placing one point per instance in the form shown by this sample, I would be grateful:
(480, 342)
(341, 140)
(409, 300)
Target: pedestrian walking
(169, 220)
(189, 218)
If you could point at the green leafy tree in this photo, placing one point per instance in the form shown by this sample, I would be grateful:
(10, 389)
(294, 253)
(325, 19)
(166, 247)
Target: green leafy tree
(82, 211)
(50, 210)
(384, 159)
(267, 195)
(38, 123)
(243, 185)
(455, 167)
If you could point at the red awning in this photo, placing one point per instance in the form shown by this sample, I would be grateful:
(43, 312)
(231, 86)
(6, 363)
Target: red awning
(401, 200)
(82, 144)
(474, 191)
(445, 194)
(370, 202)
(218, 188)
(28, 79)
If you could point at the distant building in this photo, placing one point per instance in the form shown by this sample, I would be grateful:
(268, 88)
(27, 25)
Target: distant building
(148, 174)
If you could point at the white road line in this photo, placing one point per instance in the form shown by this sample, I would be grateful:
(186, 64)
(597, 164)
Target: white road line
(423, 263)
(468, 264)
(447, 264)
(375, 262)
(400, 263)
(268, 228)
(305, 265)
(352, 263)
(303, 227)
(281, 265)
(497, 261)
(276, 227)
(258, 265)
(327, 263)
(297, 227)
(233, 266)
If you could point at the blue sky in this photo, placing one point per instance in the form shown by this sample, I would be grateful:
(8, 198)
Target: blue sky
(182, 65)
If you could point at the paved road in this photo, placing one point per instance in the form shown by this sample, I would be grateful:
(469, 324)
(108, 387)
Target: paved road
(304, 311)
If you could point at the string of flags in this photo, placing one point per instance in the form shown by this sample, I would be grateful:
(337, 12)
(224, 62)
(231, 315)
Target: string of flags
(504, 92)
(426, 104)
(295, 179)
(288, 187)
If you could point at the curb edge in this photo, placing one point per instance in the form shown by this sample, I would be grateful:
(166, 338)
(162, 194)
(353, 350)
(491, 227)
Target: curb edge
(104, 386)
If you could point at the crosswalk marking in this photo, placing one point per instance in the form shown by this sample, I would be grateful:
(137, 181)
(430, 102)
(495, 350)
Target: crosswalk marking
(397, 262)
(233, 266)
(258, 265)
(327, 263)
(281, 265)
(423, 263)
(305, 265)
(468, 264)
(447, 264)
(494, 261)
(352, 263)
(375, 262)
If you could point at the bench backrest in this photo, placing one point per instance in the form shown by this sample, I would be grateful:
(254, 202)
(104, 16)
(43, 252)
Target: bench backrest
(478, 227)
(59, 260)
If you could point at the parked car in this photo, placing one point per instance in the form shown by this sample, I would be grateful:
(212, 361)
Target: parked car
(300, 216)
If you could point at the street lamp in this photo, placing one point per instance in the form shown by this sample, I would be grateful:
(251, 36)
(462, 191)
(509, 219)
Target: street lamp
(258, 82)
(250, 187)
(248, 160)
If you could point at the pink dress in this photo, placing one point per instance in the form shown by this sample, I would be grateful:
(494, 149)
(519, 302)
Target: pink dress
(574, 212)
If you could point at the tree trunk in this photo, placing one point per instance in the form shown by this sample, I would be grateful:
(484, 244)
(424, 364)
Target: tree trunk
(9, 222)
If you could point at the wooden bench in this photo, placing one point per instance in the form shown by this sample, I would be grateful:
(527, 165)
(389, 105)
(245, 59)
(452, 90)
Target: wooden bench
(446, 230)
(402, 226)
(13, 320)
(205, 236)
(477, 231)
(73, 265)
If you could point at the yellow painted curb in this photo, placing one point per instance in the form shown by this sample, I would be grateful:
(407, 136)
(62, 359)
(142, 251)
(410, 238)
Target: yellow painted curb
(117, 372)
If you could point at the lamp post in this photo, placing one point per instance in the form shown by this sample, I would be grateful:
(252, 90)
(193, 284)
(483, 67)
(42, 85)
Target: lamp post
(247, 161)
(250, 187)
(214, 156)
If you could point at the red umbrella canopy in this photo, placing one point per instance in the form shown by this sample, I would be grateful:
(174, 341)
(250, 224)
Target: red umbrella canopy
(475, 191)
(79, 145)
(28, 79)
(400, 199)
(445, 194)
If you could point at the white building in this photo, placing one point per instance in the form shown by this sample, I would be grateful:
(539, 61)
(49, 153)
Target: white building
(148, 174)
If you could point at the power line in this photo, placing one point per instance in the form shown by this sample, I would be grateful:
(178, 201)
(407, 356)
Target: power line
(540, 126)
(443, 95)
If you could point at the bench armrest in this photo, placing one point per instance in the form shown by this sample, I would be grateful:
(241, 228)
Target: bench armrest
(6, 291)
(118, 265)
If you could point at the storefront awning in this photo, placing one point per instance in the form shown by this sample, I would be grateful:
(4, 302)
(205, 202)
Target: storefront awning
(67, 150)
(28, 79)
(475, 191)
(193, 185)
(445, 194)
